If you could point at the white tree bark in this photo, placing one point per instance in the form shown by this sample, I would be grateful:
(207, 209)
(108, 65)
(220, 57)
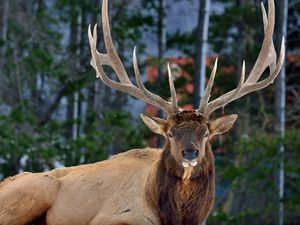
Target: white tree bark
(280, 102)
(201, 50)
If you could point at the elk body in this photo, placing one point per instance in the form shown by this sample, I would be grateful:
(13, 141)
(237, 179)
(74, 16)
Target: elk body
(169, 186)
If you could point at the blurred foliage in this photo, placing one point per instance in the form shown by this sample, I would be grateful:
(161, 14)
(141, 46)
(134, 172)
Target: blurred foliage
(42, 68)
(27, 147)
(250, 171)
(40, 75)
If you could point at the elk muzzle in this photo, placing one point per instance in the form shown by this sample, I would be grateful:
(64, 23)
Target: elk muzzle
(190, 154)
(189, 157)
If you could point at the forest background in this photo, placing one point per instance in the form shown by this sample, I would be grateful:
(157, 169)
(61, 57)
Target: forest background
(53, 111)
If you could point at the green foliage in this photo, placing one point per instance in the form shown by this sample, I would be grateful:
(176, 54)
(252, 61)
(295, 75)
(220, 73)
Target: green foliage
(42, 63)
(41, 69)
(249, 171)
(236, 19)
(42, 148)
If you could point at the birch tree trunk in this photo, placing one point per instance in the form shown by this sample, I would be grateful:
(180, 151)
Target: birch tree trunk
(282, 13)
(201, 50)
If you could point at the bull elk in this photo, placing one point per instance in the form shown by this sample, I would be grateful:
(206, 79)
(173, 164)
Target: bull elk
(174, 185)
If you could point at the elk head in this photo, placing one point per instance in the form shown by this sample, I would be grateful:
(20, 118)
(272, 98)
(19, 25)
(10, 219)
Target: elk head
(187, 132)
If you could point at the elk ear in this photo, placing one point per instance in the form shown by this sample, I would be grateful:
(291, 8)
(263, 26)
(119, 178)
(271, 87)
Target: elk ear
(157, 125)
(222, 124)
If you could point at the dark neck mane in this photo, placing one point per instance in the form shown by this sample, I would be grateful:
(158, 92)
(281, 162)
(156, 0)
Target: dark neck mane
(182, 202)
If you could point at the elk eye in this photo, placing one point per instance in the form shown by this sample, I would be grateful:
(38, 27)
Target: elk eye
(206, 135)
(170, 134)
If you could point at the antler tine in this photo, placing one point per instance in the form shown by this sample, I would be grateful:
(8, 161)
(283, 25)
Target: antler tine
(241, 82)
(137, 72)
(270, 79)
(206, 96)
(95, 62)
(172, 89)
(147, 93)
(266, 58)
(272, 54)
(267, 54)
(112, 59)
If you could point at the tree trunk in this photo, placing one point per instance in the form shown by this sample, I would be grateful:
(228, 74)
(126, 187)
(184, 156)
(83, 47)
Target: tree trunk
(3, 30)
(72, 69)
(36, 89)
(282, 12)
(201, 50)
(82, 54)
(162, 42)
(18, 79)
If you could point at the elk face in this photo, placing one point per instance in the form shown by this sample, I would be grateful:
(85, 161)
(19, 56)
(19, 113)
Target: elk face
(187, 134)
(187, 142)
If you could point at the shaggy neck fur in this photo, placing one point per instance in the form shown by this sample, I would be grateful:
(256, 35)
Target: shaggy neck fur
(182, 201)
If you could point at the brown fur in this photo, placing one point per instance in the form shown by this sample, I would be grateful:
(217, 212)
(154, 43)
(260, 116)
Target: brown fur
(137, 187)
(184, 202)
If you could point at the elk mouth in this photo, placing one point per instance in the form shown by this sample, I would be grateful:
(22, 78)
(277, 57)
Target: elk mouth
(189, 163)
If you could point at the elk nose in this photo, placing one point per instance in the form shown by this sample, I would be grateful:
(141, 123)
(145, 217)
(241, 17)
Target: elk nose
(190, 154)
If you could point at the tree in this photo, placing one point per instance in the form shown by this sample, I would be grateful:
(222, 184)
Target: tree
(201, 50)
(162, 44)
(280, 102)
(4, 7)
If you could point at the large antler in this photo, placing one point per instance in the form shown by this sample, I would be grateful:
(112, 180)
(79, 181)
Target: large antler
(112, 59)
(266, 58)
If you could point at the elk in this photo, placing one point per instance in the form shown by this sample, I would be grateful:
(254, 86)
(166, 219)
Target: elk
(173, 185)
